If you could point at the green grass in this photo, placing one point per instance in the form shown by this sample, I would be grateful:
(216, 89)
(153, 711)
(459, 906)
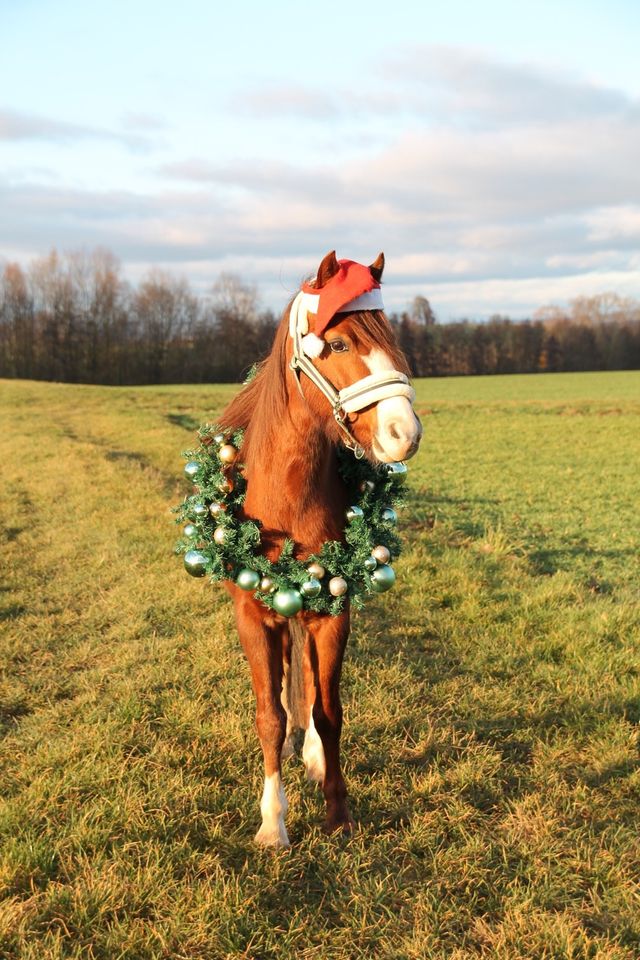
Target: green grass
(491, 700)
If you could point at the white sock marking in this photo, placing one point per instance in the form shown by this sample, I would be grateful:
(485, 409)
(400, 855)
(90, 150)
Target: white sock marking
(273, 808)
(313, 753)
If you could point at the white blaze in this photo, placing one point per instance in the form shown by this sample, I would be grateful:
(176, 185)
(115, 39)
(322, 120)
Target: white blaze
(398, 426)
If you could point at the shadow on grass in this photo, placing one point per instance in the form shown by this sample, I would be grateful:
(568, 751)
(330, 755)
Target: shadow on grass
(183, 420)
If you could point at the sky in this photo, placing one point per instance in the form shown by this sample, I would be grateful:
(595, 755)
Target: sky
(492, 150)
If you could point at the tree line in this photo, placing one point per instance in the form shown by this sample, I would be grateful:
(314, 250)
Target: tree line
(75, 318)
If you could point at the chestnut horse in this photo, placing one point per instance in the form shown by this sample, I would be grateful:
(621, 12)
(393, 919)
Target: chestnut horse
(294, 490)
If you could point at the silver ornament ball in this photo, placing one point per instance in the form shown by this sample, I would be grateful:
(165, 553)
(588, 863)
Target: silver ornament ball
(199, 510)
(397, 472)
(191, 469)
(389, 516)
(219, 438)
(311, 588)
(195, 563)
(215, 509)
(190, 531)
(354, 512)
(370, 564)
(367, 486)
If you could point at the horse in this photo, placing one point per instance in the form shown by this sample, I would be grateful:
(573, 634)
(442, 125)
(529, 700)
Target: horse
(289, 458)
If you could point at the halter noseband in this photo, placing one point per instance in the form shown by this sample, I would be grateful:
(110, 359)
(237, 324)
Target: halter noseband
(364, 392)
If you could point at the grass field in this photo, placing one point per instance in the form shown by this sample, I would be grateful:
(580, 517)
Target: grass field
(492, 700)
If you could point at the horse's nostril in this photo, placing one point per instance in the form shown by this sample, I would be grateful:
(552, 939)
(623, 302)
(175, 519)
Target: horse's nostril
(393, 430)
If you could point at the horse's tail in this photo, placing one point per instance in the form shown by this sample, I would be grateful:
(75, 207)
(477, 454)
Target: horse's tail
(297, 698)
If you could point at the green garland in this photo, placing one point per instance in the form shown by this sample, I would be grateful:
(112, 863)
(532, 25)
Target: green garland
(217, 543)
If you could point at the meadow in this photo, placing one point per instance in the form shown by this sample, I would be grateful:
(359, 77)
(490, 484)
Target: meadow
(492, 699)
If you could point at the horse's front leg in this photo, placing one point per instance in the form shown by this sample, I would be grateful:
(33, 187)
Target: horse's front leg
(262, 637)
(328, 639)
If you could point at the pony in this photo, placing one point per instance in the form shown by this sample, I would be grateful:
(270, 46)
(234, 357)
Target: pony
(290, 464)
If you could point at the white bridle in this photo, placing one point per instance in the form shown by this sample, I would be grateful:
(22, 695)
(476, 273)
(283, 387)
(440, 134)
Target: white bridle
(369, 390)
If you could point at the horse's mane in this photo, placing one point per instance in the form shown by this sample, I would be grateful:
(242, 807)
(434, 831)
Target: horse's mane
(262, 403)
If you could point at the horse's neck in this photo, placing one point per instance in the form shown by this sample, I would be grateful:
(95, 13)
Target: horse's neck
(295, 490)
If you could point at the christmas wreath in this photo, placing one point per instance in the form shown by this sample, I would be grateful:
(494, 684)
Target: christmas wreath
(217, 543)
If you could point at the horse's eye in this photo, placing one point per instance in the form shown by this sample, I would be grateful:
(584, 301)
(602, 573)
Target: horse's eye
(338, 346)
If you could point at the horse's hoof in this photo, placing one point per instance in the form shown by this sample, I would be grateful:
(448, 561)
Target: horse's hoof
(344, 825)
(276, 838)
(288, 749)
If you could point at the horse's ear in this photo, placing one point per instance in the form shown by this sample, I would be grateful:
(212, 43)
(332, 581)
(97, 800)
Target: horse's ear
(377, 267)
(327, 269)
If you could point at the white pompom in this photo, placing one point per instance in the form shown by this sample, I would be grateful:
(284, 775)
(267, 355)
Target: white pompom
(312, 345)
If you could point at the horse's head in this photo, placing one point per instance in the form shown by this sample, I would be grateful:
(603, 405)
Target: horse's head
(341, 340)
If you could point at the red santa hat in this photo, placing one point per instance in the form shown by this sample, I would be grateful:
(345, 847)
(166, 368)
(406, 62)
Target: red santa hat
(350, 286)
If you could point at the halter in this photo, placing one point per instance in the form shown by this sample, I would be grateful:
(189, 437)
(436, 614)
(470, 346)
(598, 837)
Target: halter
(364, 392)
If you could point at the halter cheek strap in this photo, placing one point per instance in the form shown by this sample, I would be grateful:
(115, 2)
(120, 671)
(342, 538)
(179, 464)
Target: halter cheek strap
(369, 390)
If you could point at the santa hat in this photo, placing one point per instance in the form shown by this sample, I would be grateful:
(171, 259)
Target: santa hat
(351, 286)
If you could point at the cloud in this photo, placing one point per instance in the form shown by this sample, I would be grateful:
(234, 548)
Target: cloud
(473, 86)
(17, 126)
(492, 178)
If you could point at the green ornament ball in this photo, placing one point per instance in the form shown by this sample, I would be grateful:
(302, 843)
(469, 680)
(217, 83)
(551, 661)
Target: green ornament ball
(191, 469)
(199, 510)
(190, 531)
(195, 563)
(397, 472)
(248, 579)
(389, 516)
(287, 602)
(383, 578)
(354, 512)
(370, 564)
(311, 587)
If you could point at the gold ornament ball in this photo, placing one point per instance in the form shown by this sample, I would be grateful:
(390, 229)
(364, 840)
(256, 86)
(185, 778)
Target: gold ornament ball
(217, 508)
(316, 570)
(381, 554)
(220, 535)
(228, 453)
(226, 486)
(267, 585)
(338, 586)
